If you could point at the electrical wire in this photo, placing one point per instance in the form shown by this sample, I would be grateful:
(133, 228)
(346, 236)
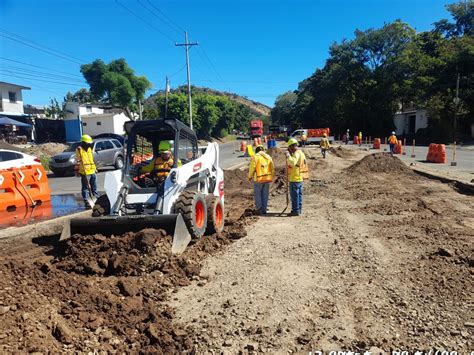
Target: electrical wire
(145, 21)
(39, 74)
(46, 81)
(40, 67)
(29, 43)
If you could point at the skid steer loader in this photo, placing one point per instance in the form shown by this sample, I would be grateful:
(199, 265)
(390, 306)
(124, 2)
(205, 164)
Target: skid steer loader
(188, 203)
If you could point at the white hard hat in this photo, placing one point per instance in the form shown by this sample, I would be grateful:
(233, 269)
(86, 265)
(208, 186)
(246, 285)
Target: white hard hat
(393, 132)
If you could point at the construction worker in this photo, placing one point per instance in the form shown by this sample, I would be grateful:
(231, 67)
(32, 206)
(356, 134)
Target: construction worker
(161, 166)
(261, 171)
(392, 142)
(347, 136)
(297, 172)
(304, 138)
(87, 169)
(360, 138)
(324, 145)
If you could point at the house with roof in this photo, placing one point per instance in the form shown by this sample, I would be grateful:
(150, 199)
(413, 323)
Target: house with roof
(11, 103)
(92, 119)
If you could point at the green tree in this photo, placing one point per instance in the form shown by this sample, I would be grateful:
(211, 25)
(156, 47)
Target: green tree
(115, 83)
(82, 96)
(54, 110)
(281, 113)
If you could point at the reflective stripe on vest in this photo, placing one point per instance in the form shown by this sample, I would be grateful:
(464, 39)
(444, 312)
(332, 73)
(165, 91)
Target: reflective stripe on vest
(86, 164)
(163, 168)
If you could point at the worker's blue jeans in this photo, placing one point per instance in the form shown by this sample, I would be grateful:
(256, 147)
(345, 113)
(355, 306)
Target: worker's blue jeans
(85, 190)
(392, 148)
(260, 194)
(296, 194)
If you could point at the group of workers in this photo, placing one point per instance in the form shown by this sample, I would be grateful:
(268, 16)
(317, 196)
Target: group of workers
(262, 173)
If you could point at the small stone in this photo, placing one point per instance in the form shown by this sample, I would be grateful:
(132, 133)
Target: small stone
(83, 317)
(455, 332)
(469, 324)
(465, 334)
(252, 346)
(62, 333)
(227, 343)
(128, 288)
(106, 335)
(4, 310)
(152, 333)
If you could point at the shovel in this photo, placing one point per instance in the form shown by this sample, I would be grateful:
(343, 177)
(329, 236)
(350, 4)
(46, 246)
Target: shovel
(287, 191)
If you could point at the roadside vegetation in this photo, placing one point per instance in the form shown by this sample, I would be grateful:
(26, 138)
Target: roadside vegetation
(367, 79)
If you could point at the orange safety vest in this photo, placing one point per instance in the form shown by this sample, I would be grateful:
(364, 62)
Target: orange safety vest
(392, 139)
(163, 167)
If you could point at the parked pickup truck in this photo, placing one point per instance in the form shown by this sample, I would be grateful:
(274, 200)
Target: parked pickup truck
(313, 135)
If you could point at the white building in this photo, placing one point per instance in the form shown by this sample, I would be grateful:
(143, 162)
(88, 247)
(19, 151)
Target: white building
(11, 103)
(410, 121)
(91, 119)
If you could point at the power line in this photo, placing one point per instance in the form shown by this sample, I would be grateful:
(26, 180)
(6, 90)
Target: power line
(46, 81)
(159, 17)
(39, 74)
(40, 67)
(145, 21)
(179, 28)
(29, 43)
(210, 62)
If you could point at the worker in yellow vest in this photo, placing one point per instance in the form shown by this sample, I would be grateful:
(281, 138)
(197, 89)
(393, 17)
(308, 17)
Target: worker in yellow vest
(360, 138)
(392, 142)
(304, 138)
(324, 145)
(297, 173)
(262, 172)
(87, 169)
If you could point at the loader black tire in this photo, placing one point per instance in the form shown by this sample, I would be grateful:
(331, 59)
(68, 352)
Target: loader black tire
(192, 206)
(101, 207)
(215, 215)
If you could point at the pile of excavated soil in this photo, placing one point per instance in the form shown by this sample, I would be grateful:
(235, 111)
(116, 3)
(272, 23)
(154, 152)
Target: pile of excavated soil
(46, 149)
(92, 293)
(341, 152)
(8, 146)
(379, 163)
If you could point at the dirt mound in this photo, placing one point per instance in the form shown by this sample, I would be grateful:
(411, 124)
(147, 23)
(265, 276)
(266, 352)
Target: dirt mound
(8, 146)
(47, 149)
(379, 163)
(341, 152)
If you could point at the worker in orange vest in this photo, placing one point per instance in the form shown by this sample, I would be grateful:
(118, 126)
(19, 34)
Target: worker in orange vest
(261, 171)
(392, 142)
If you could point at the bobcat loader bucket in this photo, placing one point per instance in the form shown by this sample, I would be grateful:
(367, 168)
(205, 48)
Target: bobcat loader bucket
(173, 224)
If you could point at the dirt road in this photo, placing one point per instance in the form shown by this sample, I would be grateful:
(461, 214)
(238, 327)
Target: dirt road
(377, 261)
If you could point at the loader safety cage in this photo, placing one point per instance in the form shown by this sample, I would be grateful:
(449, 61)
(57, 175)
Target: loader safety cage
(143, 141)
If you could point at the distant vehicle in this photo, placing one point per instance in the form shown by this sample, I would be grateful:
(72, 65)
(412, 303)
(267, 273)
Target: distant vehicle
(256, 128)
(12, 159)
(107, 152)
(118, 137)
(313, 135)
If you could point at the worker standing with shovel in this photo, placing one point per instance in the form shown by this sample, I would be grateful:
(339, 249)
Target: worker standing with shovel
(87, 171)
(297, 172)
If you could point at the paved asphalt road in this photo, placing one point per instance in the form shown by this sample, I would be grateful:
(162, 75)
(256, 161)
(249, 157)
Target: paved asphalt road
(72, 184)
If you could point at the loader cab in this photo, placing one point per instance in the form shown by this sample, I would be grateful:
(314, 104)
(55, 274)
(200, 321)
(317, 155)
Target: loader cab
(144, 138)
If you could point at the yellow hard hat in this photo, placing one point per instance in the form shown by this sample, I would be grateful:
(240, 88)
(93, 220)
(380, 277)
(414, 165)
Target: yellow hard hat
(291, 142)
(164, 146)
(260, 146)
(86, 138)
(325, 135)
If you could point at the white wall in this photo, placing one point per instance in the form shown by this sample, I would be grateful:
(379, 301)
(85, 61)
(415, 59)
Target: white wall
(402, 121)
(8, 106)
(109, 123)
(74, 109)
(93, 109)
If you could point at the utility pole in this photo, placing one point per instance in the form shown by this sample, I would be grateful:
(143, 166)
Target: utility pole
(456, 108)
(167, 90)
(186, 44)
(140, 109)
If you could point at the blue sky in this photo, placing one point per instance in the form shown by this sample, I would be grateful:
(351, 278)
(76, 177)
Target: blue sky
(258, 48)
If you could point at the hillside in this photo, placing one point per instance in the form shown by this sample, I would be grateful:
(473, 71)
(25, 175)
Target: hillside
(257, 108)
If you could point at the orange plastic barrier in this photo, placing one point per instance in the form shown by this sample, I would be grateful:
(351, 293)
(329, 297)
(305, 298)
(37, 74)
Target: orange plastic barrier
(436, 153)
(243, 146)
(24, 215)
(255, 142)
(25, 186)
(377, 143)
(398, 148)
(356, 139)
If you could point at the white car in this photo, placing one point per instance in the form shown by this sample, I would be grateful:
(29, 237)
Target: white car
(13, 159)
